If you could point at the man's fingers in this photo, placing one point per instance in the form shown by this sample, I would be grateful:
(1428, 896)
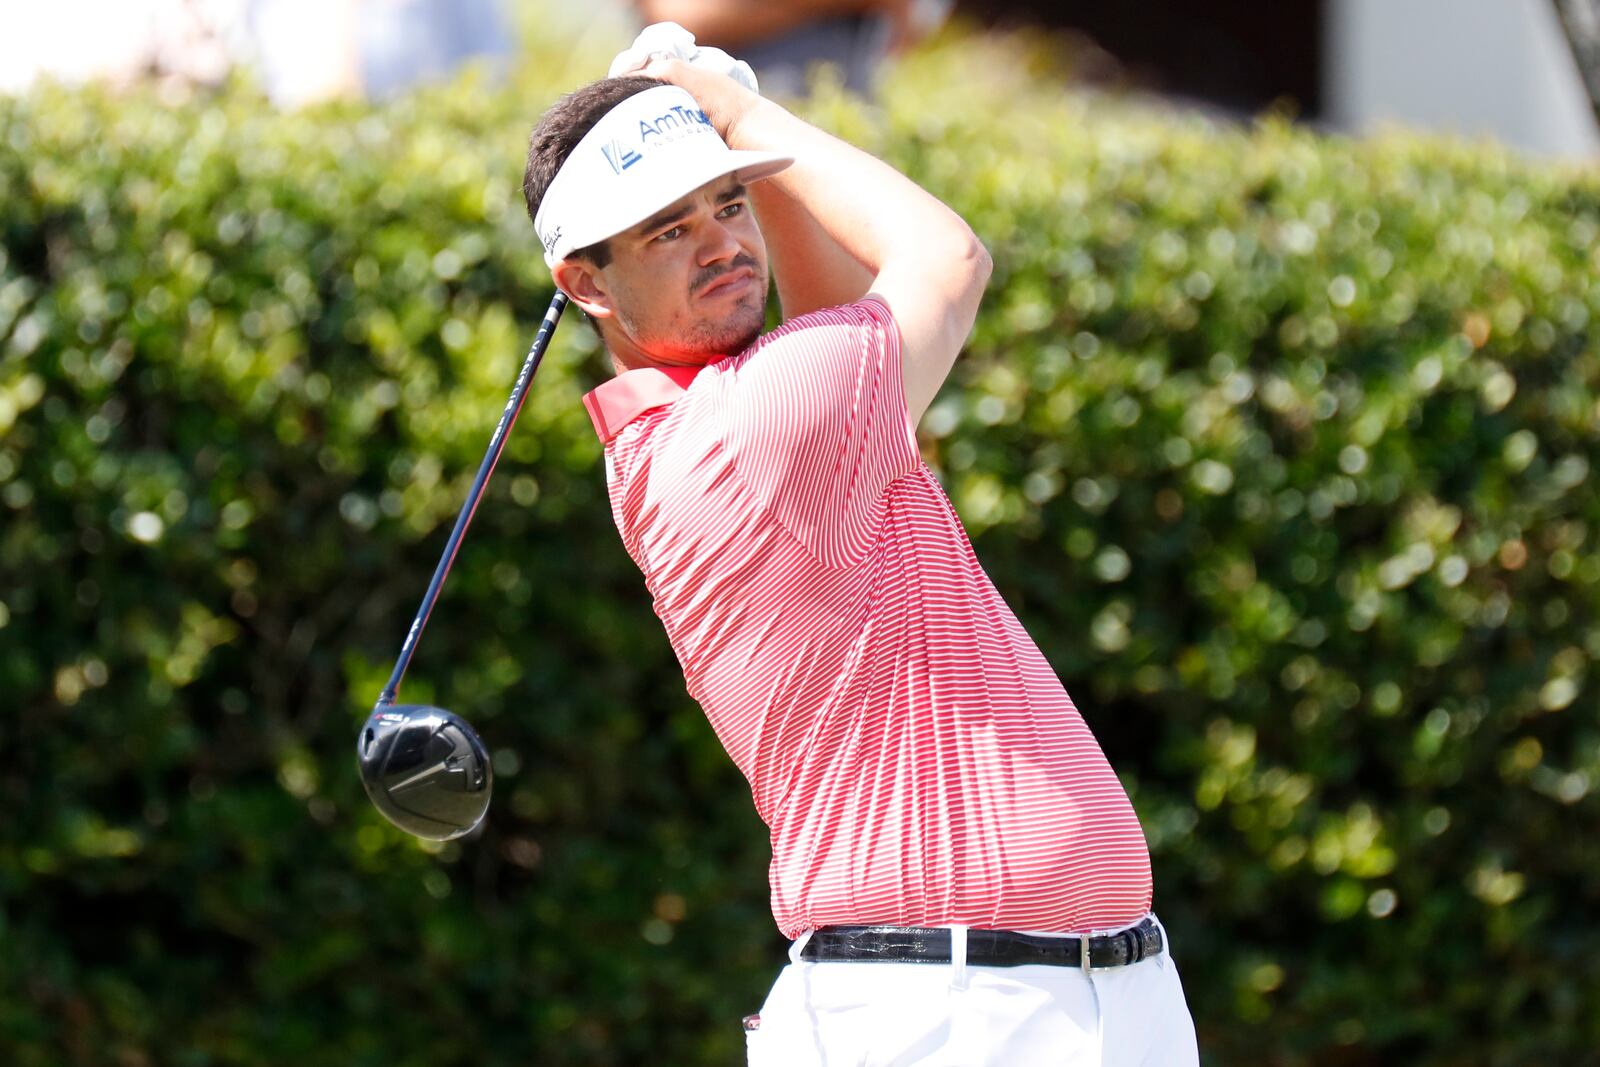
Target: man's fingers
(675, 72)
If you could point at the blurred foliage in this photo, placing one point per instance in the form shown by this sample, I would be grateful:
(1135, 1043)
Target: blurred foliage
(1279, 444)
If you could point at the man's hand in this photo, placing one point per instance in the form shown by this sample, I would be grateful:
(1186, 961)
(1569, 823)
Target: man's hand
(724, 100)
(667, 52)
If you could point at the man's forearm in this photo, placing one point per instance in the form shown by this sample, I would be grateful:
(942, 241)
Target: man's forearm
(811, 269)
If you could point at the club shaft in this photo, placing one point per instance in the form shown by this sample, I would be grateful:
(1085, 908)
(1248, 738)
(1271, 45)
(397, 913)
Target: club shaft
(497, 444)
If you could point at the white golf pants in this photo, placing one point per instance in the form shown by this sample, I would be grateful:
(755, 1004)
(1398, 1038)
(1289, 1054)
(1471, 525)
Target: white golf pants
(871, 1014)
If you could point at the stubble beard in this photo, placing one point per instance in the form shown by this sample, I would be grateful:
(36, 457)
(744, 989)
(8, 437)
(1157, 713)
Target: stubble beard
(704, 341)
(734, 334)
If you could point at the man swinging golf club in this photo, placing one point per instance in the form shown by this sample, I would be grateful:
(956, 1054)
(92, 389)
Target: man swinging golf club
(963, 876)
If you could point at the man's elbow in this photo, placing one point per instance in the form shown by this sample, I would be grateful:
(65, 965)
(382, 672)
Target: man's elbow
(947, 269)
(973, 266)
(982, 263)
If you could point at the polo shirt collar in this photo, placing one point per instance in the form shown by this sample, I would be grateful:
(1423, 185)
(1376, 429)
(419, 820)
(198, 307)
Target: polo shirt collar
(632, 393)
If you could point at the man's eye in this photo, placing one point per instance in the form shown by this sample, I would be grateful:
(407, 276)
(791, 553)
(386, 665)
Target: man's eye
(670, 235)
(731, 210)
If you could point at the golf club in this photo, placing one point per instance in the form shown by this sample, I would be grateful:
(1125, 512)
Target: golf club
(425, 768)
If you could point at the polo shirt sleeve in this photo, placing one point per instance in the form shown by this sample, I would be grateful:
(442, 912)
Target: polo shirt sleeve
(818, 428)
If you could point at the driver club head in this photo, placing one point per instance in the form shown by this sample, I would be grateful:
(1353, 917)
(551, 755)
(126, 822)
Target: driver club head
(426, 769)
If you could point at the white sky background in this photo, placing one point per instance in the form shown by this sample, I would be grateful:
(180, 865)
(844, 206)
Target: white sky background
(41, 37)
(303, 50)
(75, 40)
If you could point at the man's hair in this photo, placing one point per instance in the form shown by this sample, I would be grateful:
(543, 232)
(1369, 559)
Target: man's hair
(558, 133)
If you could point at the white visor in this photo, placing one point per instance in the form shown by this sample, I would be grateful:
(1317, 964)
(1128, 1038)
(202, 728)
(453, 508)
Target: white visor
(654, 148)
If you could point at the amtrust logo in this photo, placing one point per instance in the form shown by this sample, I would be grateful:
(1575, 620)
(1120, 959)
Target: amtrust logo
(678, 120)
(676, 124)
(619, 157)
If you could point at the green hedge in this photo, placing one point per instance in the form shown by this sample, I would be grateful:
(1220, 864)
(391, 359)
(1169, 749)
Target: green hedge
(1280, 445)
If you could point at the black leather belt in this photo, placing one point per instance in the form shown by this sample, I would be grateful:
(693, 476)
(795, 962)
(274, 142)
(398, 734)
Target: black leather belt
(985, 948)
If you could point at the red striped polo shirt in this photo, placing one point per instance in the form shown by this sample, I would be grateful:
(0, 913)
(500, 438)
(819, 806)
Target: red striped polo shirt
(911, 751)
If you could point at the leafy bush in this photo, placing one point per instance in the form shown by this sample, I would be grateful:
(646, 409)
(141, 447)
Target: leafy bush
(1280, 444)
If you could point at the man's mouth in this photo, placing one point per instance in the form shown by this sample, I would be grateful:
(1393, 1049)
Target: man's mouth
(735, 280)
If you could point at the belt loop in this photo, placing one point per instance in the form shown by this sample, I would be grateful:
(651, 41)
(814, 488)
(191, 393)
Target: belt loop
(958, 957)
(799, 945)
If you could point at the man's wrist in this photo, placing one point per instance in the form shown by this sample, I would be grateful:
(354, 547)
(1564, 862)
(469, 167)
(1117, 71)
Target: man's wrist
(746, 122)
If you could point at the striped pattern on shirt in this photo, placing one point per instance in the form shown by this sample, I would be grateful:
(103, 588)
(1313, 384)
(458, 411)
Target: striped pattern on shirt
(911, 751)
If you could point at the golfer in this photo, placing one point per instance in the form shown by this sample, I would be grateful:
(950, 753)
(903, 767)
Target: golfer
(963, 877)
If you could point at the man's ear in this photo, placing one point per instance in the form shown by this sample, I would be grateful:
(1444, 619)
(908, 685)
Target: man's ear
(585, 286)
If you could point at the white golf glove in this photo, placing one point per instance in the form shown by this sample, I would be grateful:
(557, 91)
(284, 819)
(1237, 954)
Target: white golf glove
(671, 41)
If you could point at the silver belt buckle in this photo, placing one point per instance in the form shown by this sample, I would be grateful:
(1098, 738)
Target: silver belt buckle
(1083, 955)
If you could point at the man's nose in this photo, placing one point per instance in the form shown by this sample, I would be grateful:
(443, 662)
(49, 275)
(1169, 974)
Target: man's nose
(719, 242)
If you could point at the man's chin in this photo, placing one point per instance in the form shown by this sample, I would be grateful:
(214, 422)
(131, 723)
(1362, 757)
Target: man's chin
(727, 339)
